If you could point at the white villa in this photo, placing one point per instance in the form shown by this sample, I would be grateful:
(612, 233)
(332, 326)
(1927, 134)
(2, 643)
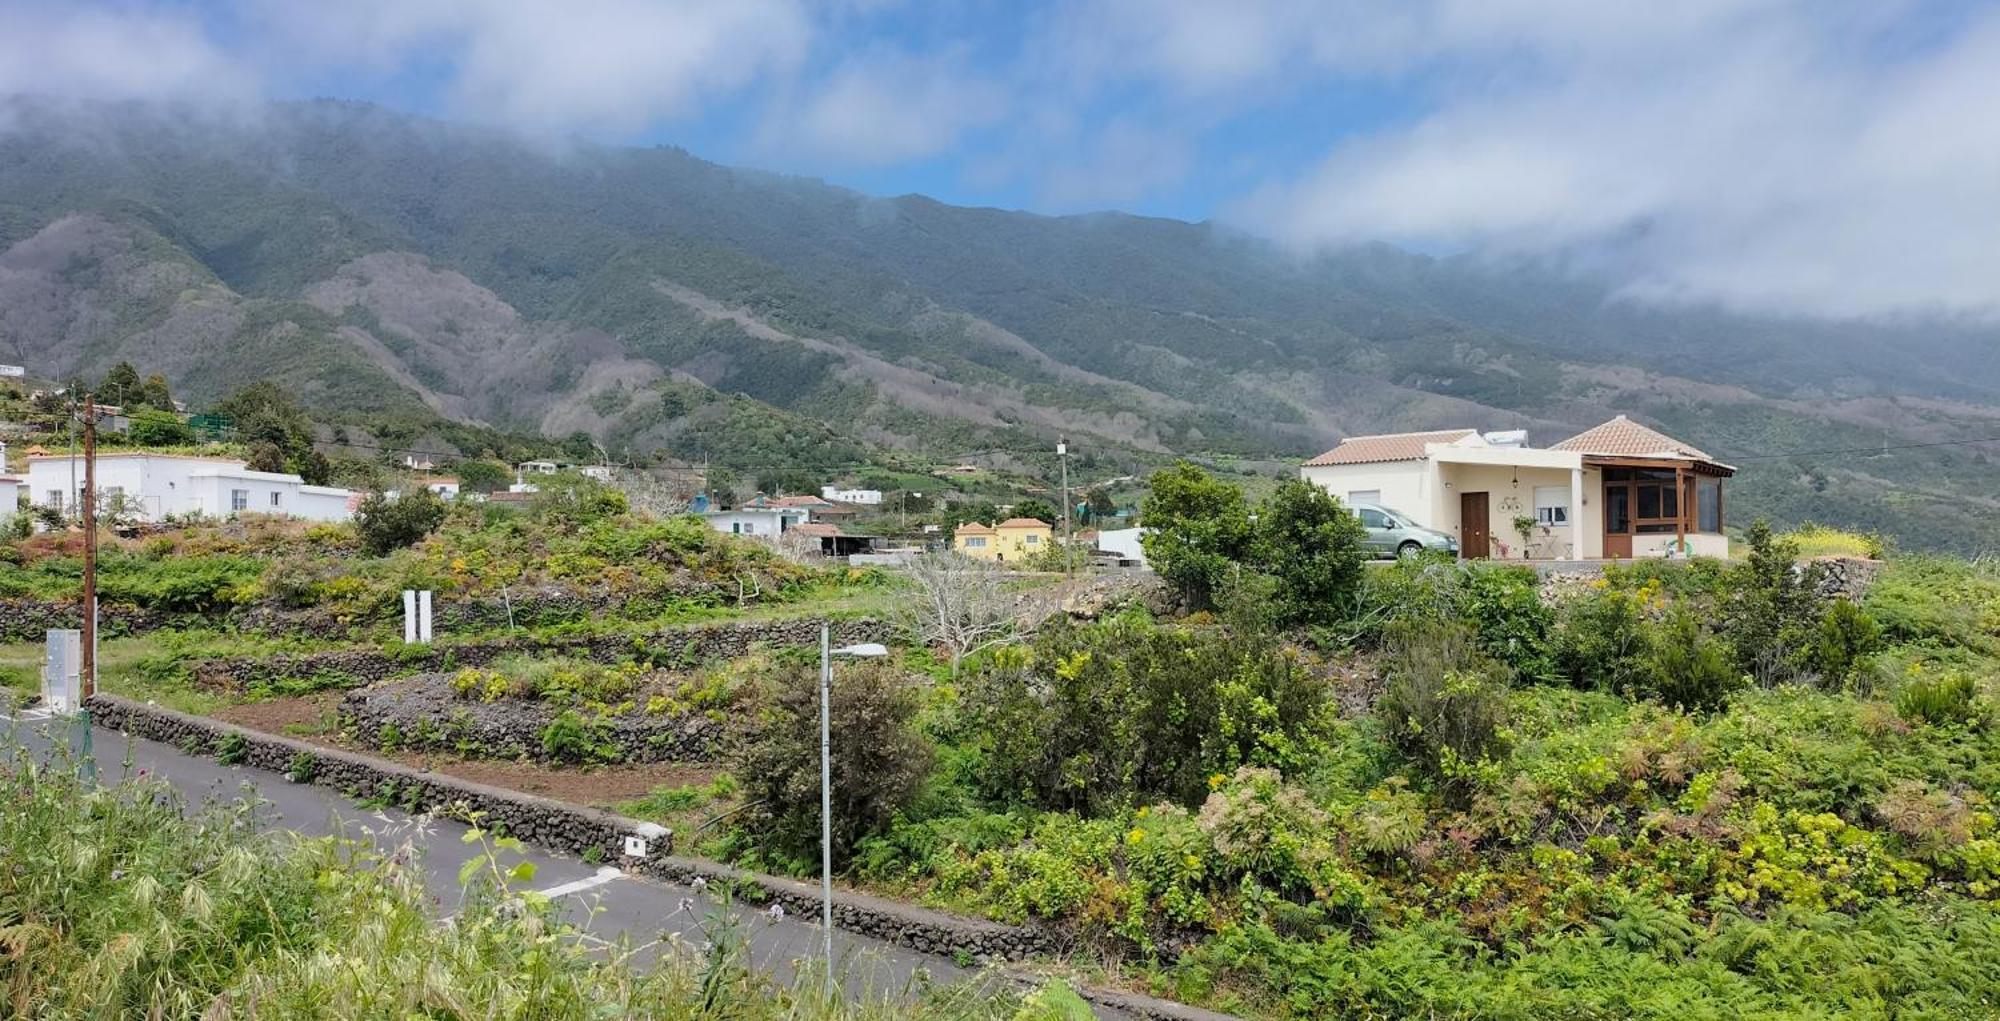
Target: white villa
(159, 485)
(1617, 491)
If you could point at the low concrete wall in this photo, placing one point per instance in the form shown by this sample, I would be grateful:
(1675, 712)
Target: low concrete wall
(676, 647)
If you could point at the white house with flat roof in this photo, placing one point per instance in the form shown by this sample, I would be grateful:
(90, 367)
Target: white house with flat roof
(160, 485)
(1616, 491)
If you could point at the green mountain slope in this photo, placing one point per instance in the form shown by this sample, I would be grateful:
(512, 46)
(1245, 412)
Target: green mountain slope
(380, 262)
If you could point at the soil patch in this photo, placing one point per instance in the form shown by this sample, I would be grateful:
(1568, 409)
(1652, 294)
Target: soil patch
(306, 716)
(310, 718)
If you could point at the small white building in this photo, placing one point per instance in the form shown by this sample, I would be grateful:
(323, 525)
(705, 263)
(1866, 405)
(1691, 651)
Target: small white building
(862, 497)
(537, 468)
(1124, 542)
(158, 485)
(764, 522)
(599, 472)
(442, 485)
(1617, 491)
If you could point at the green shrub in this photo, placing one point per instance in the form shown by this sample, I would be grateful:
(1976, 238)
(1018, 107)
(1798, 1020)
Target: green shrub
(231, 748)
(1312, 545)
(1443, 705)
(1094, 717)
(1501, 603)
(1949, 700)
(1198, 531)
(1845, 638)
(880, 759)
(1774, 612)
(1685, 666)
(1265, 830)
(386, 525)
(1601, 638)
(572, 737)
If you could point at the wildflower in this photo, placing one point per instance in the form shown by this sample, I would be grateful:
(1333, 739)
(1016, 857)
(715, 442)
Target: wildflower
(777, 912)
(1192, 862)
(699, 884)
(1135, 836)
(1141, 813)
(1215, 781)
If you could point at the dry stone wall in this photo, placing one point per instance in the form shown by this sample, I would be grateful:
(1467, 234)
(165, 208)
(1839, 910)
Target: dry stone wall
(673, 647)
(423, 712)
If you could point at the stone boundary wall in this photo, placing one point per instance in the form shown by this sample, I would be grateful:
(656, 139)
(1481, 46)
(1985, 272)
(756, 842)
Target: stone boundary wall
(677, 646)
(427, 714)
(592, 833)
(27, 619)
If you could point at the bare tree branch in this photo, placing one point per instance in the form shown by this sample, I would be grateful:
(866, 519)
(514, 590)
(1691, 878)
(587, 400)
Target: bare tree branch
(961, 604)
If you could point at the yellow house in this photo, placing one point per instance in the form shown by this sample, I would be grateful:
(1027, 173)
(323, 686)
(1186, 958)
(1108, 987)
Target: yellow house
(1011, 540)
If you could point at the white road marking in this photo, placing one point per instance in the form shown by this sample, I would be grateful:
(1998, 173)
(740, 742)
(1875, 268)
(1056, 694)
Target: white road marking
(603, 876)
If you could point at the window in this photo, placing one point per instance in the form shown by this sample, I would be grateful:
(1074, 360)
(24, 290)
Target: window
(1033, 540)
(274, 499)
(1372, 518)
(1708, 506)
(1360, 496)
(53, 499)
(239, 499)
(749, 528)
(976, 542)
(1552, 505)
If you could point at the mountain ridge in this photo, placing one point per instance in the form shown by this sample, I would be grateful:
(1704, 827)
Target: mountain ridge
(387, 264)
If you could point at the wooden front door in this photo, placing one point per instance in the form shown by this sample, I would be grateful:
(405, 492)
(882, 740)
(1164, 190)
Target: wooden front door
(1474, 528)
(1617, 521)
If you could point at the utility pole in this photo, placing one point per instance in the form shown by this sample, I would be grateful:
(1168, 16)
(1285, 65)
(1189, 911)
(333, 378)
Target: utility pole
(1062, 455)
(89, 671)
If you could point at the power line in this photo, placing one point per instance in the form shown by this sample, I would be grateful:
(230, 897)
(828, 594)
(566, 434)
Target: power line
(1882, 449)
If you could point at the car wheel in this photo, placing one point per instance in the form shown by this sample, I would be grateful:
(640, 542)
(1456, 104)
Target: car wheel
(1408, 550)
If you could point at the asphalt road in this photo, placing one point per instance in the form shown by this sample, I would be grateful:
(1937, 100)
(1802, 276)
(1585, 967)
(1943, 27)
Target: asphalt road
(603, 901)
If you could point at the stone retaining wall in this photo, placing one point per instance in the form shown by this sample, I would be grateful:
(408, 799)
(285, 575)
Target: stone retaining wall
(674, 647)
(598, 835)
(426, 713)
(27, 620)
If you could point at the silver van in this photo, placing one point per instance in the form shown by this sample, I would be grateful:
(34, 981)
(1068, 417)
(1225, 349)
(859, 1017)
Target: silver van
(1391, 534)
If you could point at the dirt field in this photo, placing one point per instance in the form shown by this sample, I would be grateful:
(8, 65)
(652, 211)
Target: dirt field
(310, 718)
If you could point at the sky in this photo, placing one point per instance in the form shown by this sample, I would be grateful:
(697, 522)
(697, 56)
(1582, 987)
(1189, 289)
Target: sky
(1832, 158)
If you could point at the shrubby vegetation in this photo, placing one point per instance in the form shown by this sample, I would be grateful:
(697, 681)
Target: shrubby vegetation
(1678, 789)
(578, 540)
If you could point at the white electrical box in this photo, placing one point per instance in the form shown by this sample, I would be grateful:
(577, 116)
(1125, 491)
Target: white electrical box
(62, 672)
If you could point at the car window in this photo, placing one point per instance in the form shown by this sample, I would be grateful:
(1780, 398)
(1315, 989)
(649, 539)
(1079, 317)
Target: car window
(1375, 519)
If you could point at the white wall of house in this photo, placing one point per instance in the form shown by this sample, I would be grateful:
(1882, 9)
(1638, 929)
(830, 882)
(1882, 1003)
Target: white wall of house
(162, 484)
(1401, 486)
(763, 522)
(1124, 542)
(864, 497)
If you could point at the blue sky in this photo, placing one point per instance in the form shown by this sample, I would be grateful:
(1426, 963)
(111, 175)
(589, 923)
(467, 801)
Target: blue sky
(1825, 157)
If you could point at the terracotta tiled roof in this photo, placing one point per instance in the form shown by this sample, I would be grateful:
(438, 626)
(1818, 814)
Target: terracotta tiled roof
(1622, 436)
(818, 528)
(1022, 523)
(1387, 447)
(973, 528)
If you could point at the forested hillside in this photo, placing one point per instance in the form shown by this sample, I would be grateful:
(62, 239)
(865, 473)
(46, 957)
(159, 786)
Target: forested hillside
(392, 267)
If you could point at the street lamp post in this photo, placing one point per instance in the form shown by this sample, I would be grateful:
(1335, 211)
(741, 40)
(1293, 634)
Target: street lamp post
(868, 650)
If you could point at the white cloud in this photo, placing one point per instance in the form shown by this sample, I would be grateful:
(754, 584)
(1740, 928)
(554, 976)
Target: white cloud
(615, 65)
(1767, 156)
(83, 53)
(882, 107)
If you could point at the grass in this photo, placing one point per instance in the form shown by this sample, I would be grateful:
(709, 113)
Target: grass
(1821, 541)
(129, 906)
